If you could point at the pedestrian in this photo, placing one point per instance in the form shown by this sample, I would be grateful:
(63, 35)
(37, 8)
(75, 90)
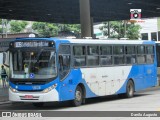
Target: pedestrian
(3, 76)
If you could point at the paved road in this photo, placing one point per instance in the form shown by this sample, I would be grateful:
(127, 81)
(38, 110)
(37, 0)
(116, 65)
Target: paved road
(143, 101)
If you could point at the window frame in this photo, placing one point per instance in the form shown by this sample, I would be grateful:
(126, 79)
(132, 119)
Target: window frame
(152, 54)
(87, 55)
(112, 55)
(73, 56)
(119, 55)
(130, 54)
(101, 55)
(63, 44)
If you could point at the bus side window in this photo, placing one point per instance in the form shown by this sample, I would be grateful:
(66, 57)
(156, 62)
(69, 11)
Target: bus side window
(150, 54)
(141, 56)
(64, 60)
(130, 54)
(79, 53)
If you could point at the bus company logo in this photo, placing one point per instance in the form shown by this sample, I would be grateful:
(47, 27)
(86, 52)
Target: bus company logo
(135, 14)
(6, 114)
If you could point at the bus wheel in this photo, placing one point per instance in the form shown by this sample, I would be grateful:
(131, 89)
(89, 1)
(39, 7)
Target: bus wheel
(78, 99)
(40, 104)
(130, 89)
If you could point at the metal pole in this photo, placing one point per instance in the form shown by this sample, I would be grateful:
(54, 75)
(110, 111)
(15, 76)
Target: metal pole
(108, 29)
(119, 34)
(6, 27)
(158, 29)
(2, 27)
(85, 18)
(92, 30)
(124, 28)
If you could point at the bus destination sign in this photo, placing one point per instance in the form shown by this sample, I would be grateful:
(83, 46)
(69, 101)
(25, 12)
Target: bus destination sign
(31, 44)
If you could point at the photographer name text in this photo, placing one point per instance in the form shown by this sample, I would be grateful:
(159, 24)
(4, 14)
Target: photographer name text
(144, 115)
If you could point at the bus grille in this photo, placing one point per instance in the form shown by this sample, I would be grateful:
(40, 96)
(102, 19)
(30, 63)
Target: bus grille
(29, 82)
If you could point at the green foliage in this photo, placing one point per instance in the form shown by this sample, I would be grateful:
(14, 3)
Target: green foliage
(18, 26)
(51, 30)
(0, 30)
(5, 23)
(117, 29)
(45, 29)
(133, 31)
(104, 28)
(70, 27)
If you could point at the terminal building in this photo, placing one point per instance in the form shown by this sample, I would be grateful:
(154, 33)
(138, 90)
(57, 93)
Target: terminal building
(150, 29)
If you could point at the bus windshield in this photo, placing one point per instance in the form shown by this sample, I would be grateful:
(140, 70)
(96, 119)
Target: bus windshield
(33, 64)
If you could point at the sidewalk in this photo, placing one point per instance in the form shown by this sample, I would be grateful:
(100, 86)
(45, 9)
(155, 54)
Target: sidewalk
(3, 94)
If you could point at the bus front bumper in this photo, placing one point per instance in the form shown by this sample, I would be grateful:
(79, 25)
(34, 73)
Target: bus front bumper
(51, 96)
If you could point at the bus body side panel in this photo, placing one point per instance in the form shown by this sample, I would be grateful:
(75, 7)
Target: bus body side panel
(144, 76)
(69, 84)
(106, 80)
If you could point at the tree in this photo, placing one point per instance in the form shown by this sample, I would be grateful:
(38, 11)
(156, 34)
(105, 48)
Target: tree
(104, 28)
(1, 30)
(133, 31)
(45, 29)
(51, 29)
(4, 25)
(75, 28)
(18, 26)
(117, 29)
(70, 29)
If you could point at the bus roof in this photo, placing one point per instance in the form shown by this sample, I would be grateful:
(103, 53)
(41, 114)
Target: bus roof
(98, 41)
(91, 41)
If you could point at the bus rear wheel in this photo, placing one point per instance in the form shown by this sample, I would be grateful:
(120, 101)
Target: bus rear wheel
(129, 89)
(78, 98)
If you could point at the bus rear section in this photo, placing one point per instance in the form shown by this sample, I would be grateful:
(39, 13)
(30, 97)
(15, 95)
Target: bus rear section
(158, 61)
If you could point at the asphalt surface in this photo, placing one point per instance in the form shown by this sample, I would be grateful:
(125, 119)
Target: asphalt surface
(3, 95)
(146, 100)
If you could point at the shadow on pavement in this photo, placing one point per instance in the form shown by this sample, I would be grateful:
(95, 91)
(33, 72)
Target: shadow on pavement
(62, 105)
(3, 94)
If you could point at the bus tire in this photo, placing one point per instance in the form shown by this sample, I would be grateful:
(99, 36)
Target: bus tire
(40, 104)
(129, 89)
(78, 97)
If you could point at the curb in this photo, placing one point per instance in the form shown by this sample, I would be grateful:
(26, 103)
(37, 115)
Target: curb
(149, 89)
(5, 102)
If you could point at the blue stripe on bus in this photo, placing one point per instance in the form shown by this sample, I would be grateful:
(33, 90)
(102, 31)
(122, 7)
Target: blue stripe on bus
(33, 87)
(65, 88)
(142, 79)
(70, 83)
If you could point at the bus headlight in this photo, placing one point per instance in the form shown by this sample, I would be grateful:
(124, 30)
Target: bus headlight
(50, 88)
(13, 90)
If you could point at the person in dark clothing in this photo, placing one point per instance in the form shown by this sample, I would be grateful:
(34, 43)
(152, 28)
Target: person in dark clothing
(3, 76)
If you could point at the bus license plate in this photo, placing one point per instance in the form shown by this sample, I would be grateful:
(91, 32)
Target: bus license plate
(28, 96)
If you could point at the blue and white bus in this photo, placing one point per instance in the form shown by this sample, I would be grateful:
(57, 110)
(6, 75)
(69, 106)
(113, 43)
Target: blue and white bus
(49, 69)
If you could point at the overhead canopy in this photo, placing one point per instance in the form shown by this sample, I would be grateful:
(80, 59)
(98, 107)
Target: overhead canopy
(67, 11)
